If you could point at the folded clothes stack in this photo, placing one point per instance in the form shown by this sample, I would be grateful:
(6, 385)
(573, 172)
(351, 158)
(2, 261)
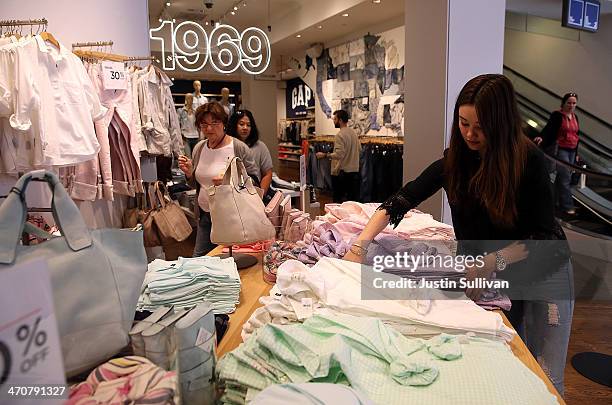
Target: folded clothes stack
(334, 286)
(350, 218)
(323, 241)
(379, 363)
(188, 281)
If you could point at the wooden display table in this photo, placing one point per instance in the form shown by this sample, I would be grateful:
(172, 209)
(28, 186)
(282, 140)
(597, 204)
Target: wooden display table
(254, 286)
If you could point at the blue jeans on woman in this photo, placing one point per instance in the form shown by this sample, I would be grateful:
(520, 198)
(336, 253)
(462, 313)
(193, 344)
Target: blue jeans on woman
(564, 178)
(203, 245)
(544, 321)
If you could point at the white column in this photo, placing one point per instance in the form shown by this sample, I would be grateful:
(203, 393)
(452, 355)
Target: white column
(447, 43)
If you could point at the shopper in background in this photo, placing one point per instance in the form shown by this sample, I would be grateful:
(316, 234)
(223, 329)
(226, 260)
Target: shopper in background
(499, 191)
(560, 137)
(344, 160)
(242, 125)
(198, 98)
(210, 159)
(191, 135)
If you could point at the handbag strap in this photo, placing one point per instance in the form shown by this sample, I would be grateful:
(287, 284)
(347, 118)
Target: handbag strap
(13, 213)
(160, 194)
(237, 176)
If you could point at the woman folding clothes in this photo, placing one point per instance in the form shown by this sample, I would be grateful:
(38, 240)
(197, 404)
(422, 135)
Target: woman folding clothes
(502, 207)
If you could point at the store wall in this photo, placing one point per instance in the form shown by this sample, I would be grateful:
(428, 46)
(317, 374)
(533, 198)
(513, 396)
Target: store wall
(124, 22)
(260, 96)
(563, 65)
(447, 43)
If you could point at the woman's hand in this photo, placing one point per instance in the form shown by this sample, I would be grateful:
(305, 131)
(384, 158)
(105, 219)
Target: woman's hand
(217, 180)
(186, 165)
(475, 272)
(352, 257)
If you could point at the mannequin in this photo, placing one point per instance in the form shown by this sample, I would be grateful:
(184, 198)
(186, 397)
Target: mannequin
(198, 98)
(229, 108)
(187, 120)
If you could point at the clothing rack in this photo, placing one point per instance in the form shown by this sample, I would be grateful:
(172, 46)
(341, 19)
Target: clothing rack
(110, 56)
(92, 44)
(17, 23)
(364, 140)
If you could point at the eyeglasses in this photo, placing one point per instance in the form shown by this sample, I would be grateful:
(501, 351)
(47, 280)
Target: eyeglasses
(213, 124)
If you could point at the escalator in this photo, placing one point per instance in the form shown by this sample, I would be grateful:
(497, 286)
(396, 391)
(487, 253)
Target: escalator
(589, 232)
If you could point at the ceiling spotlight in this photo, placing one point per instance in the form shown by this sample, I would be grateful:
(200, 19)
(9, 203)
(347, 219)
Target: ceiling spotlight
(172, 78)
(376, 1)
(160, 19)
(233, 13)
(345, 15)
(320, 26)
(298, 36)
(206, 23)
(174, 20)
(217, 24)
(235, 8)
(244, 4)
(167, 4)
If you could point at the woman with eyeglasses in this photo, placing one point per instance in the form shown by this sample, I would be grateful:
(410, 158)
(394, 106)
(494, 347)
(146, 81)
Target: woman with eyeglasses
(502, 208)
(242, 126)
(560, 137)
(210, 159)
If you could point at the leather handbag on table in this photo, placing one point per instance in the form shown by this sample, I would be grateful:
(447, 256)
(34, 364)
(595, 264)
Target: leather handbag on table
(96, 275)
(236, 209)
(169, 217)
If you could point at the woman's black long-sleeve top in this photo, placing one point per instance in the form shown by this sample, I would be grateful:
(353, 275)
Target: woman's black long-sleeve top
(471, 221)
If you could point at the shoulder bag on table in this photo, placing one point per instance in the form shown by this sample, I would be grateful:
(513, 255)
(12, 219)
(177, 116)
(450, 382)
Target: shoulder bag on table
(236, 209)
(96, 275)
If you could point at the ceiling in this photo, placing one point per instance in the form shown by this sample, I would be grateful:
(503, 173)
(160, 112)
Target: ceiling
(363, 16)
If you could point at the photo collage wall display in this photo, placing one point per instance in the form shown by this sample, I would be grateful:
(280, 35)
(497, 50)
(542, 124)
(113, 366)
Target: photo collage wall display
(365, 77)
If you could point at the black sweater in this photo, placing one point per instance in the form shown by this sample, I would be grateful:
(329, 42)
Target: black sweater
(471, 221)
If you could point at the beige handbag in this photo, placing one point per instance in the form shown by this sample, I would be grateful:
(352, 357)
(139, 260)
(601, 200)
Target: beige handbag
(171, 221)
(236, 209)
(143, 214)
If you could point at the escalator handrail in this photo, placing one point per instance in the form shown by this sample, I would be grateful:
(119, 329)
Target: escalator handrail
(579, 169)
(582, 112)
(584, 138)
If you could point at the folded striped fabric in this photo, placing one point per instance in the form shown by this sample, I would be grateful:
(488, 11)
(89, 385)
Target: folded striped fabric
(126, 380)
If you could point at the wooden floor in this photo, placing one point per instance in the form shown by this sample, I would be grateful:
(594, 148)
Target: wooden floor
(591, 332)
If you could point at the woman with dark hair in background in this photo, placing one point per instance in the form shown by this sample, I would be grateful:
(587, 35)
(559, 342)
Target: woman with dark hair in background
(242, 125)
(500, 197)
(560, 138)
(210, 159)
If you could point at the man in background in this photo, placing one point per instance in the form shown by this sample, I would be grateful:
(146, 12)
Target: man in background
(344, 160)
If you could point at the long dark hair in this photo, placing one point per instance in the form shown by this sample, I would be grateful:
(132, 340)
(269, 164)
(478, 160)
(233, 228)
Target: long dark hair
(232, 127)
(496, 181)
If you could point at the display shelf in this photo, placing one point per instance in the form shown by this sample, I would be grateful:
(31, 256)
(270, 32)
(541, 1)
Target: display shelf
(289, 159)
(287, 152)
(289, 145)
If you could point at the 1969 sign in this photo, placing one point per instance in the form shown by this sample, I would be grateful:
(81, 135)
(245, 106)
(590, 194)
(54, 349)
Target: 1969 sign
(226, 48)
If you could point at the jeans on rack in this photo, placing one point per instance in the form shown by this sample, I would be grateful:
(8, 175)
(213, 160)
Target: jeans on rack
(563, 180)
(203, 245)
